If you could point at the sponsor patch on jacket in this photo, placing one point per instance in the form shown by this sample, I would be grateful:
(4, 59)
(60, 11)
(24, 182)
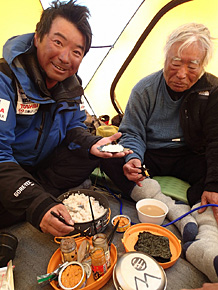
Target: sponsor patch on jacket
(24, 105)
(204, 93)
(4, 106)
(82, 105)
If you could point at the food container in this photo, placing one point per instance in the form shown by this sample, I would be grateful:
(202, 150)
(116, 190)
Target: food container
(137, 270)
(101, 222)
(124, 222)
(91, 283)
(72, 274)
(99, 263)
(130, 238)
(157, 211)
(101, 240)
(8, 246)
(68, 249)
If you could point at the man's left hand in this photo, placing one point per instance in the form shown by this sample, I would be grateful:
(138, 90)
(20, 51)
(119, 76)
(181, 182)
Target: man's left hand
(210, 197)
(106, 140)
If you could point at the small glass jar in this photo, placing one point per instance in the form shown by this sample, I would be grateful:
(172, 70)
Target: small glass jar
(68, 250)
(100, 240)
(99, 265)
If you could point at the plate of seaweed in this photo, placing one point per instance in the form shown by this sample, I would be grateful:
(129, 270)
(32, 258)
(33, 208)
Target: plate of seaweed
(154, 240)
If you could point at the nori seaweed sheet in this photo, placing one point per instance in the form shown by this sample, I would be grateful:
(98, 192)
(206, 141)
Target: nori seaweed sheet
(154, 245)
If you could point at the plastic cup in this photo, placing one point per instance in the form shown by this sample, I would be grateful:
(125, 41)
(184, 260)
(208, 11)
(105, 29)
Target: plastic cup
(149, 218)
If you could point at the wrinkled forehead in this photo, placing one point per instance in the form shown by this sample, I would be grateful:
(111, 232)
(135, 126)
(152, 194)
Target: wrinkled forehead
(194, 52)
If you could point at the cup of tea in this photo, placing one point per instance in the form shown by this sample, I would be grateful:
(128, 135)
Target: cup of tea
(151, 211)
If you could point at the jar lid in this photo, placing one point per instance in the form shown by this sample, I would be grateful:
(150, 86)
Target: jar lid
(67, 244)
(137, 270)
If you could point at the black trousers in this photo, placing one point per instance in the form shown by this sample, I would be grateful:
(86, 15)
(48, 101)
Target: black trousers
(177, 162)
(62, 170)
(65, 169)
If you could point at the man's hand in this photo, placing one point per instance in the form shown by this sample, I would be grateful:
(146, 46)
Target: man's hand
(210, 197)
(95, 151)
(133, 172)
(50, 224)
(207, 286)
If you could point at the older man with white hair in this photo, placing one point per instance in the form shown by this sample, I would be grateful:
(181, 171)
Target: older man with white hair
(171, 124)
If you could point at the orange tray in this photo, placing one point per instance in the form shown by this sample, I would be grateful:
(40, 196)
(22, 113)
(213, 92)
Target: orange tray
(131, 236)
(91, 283)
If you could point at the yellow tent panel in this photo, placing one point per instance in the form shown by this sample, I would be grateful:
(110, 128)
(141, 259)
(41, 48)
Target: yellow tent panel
(155, 20)
(137, 52)
(18, 17)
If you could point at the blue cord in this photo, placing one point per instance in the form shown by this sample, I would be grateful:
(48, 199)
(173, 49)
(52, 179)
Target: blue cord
(168, 224)
(182, 216)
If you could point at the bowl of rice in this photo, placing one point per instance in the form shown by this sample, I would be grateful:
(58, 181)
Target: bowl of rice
(77, 203)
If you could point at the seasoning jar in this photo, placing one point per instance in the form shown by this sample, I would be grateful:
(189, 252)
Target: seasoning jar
(99, 265)
(100, 240)
(68, 250)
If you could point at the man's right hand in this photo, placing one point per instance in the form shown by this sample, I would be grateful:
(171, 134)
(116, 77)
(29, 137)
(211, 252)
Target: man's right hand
(133, 172)
(50, 224)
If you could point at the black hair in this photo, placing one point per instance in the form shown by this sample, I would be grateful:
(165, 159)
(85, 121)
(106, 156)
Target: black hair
(74, 13)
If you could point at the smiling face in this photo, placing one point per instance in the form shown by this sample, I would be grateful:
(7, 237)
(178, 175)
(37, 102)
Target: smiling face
(61, 51)
(182, 71)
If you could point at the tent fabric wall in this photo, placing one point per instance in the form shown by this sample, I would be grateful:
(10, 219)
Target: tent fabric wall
(21, 17)
(149, 57)
(18, 17)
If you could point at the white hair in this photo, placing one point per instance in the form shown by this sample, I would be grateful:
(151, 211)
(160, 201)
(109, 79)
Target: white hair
(191, 33)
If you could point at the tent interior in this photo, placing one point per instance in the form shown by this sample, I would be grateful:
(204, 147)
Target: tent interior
(139, 49)
(135, 53)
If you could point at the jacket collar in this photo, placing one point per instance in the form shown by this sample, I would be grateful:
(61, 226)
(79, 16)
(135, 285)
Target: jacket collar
(205, 83)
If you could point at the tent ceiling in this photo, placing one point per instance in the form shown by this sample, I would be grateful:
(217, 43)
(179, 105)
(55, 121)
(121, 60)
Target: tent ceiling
(149, 57)
(15, 19)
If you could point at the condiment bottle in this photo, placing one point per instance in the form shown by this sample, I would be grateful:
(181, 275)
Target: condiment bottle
(100, 240)
(68, 250)
(99, 265)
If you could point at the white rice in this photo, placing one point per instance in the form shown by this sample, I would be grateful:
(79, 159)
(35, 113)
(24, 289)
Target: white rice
(79, 208)
(113, 148)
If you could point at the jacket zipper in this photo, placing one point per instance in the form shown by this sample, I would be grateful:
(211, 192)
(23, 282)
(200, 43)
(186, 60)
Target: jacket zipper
(40, 130)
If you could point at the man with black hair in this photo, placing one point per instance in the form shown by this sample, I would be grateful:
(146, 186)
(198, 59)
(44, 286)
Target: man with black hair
(45, 147)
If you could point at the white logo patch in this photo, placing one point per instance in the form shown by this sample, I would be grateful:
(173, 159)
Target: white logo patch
(204, 93)
(24, 105)
(82, 105)
(4, 106)
(29, 108)
(23, 187)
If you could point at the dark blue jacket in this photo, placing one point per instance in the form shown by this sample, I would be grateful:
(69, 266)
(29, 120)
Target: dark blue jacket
(33, 122)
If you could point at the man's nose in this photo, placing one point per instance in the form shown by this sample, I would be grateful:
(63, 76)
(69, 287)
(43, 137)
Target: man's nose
(64, 56)
(182, 72)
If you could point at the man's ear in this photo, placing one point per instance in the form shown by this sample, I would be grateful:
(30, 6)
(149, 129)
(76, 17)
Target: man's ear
(36, 39)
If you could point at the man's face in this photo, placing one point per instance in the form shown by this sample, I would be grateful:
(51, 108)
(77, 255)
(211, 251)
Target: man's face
(182, 72)
(61, 51)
